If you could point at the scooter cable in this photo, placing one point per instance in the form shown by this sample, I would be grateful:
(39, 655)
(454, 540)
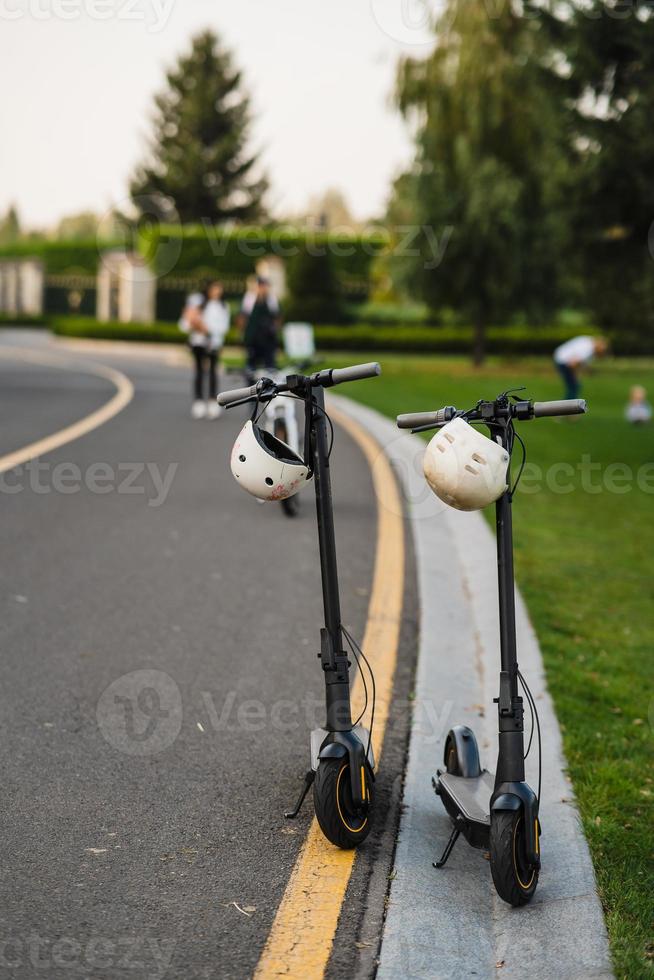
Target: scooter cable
(531, 733)
(365, 684)
(534, 710)
(522, 464)
(354, 646)
(331, 429)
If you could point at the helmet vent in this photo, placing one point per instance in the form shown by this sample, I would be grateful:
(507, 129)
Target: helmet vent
(441, 447)
(449, 436)
(269, 481)
(479, 459)
(471, 469)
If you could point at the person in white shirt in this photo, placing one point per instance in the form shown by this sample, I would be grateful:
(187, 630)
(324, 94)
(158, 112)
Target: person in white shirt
(206, 320)
(574, 355)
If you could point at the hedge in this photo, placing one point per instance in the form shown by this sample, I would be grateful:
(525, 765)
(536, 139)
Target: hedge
(23, 320)
(507, 341)
(410, 340)
(60, 257)
(235, 252)
(192, 250)
(80, 326)
(440, 340)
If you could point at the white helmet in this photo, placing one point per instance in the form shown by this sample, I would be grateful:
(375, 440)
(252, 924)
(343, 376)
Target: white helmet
(464, 468)
(265, 466)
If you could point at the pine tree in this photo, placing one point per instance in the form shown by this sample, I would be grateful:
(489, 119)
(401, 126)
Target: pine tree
(10, 230)
(198, 160)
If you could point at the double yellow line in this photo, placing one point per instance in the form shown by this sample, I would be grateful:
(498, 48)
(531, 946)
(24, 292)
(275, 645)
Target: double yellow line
(301, 938)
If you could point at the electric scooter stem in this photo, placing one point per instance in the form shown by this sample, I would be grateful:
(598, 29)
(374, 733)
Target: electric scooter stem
(510, 760)
(334, 660)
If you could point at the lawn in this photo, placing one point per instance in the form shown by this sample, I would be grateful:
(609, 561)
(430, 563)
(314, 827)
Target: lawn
(584, 563)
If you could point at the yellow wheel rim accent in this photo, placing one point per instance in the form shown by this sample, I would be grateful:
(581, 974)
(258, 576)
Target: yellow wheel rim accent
(352, 830)
(525, 886)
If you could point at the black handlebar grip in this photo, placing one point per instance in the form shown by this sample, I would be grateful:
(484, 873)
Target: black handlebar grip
(236, 395)
(416, 419)
(567, 406)
(358, 372)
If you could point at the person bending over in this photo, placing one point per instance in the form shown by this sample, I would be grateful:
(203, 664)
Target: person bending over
(574, 355)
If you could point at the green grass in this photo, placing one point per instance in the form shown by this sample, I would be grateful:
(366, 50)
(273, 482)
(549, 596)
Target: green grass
(584, 563)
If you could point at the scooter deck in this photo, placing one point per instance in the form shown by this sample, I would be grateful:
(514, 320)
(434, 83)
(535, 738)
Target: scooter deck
(466, 800)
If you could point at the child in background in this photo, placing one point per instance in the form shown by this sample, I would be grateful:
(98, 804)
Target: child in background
(638, 409)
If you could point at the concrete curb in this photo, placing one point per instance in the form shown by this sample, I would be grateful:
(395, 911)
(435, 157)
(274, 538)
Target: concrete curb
(450, 923)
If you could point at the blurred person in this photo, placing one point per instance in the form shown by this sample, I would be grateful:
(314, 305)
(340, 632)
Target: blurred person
(574, 355)
(206, 320)
(638, 409)
(260, 319)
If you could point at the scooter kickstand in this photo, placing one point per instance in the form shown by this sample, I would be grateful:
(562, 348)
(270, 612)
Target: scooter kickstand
(454, 836)
(308, 783)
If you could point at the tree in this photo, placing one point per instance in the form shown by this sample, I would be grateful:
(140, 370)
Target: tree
(198, 160)
(608, 50)
(78, 227)
(330, 210)
(10, 230)
(490, 168)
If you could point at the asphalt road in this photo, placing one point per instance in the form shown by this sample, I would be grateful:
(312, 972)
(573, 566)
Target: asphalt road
(158, 681)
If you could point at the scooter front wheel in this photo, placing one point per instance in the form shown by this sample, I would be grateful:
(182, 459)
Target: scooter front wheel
(332, 799)
(515, 881)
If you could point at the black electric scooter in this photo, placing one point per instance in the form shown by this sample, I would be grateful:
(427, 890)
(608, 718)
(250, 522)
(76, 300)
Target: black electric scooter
(342, 763)
(497, 813)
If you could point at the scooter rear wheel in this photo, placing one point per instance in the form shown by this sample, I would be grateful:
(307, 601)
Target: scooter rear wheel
(332, 800)
(452, 759)
(514, 880)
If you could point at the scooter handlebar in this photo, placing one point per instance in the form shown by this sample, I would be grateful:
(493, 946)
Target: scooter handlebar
(358, 372)
(226, 398)
(415, 420)
(568, 406)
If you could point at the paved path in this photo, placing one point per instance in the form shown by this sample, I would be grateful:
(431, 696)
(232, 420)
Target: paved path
(450, 924)
(133, 829)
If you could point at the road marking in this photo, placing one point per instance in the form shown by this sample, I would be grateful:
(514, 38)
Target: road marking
(123, 396)
(302, 934)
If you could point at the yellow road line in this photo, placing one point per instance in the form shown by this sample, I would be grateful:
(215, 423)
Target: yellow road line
(302, 934)
(123, 396)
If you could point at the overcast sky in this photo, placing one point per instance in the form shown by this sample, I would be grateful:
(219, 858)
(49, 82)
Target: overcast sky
(77, 79)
